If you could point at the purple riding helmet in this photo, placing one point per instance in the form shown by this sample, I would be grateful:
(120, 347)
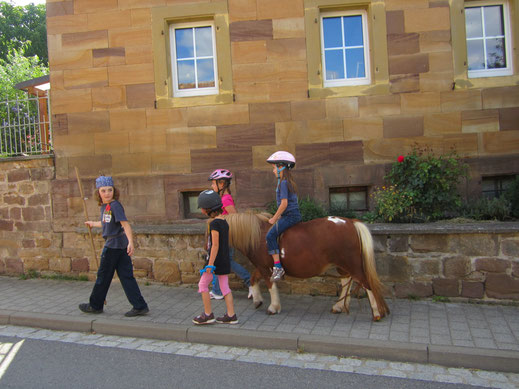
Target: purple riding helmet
(219, 174)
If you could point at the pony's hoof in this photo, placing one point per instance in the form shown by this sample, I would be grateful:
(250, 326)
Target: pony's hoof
(258, 304)
(273, 311)
(334, 311)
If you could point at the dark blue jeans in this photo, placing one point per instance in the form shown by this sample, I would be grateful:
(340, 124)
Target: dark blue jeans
(116, 260)
(278, 228)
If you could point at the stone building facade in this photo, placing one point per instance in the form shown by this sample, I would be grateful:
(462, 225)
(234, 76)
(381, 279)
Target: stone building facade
(119, 108)
(115, 109)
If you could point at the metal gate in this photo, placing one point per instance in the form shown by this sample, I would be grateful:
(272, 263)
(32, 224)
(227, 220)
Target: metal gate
(25, 126)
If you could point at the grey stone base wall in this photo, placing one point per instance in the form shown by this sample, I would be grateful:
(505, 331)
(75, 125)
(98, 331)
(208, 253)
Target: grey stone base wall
(476, 261)
(417, 262)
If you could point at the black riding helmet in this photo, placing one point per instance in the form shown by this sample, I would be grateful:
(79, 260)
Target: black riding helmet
(209, 199)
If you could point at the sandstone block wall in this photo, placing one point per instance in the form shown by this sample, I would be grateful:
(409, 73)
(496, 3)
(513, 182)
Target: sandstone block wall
(102, 61)
(476, 265)
(27, 240)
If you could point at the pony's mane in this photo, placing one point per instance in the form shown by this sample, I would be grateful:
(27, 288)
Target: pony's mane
(245, 229)
(263, 216)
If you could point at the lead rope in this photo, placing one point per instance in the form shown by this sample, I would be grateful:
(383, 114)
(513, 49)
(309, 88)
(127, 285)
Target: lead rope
(346, 294)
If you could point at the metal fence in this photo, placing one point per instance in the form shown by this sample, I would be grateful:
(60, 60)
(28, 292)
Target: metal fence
(25, 126)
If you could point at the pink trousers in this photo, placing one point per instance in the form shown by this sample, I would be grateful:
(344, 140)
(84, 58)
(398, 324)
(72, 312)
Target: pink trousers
(205, 280)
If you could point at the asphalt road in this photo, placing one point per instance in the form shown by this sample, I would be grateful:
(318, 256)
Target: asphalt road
(53, 364)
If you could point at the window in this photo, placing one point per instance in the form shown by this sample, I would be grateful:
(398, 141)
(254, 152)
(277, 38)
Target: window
(190, 200)
(349, 199)
(193, 58)
(488, 38)
(482, 37)
(192, 54)
(494, 187)
(344, 46)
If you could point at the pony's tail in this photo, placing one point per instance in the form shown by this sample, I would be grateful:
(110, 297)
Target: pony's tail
(368, 258)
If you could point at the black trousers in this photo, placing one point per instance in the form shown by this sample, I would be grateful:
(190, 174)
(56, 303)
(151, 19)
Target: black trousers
(116, 260)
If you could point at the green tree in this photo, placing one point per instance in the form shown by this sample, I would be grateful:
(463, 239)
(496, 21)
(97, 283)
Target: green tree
(23, 24)
(18, 67)
(18, 114)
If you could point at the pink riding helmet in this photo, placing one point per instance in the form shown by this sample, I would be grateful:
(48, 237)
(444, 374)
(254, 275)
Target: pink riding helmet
(218, 174)
(283, 157)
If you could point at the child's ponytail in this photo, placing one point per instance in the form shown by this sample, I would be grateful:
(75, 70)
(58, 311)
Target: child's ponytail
(292, 186)
(226, 186)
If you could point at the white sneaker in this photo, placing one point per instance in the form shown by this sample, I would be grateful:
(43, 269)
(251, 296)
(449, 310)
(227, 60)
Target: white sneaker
(249, 296)
(277, 274)
(215, 296)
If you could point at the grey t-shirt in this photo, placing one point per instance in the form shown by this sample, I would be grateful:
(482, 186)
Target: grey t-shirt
(111, 217)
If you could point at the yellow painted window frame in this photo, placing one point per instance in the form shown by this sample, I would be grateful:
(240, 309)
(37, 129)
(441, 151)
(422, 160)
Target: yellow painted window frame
(459, 49)
(161, 19)
(378, 48)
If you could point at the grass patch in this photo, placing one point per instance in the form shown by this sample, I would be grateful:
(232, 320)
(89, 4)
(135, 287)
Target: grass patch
(440, 299)
(60, 277)
(29, 274)
(413, 297)
(64, 277)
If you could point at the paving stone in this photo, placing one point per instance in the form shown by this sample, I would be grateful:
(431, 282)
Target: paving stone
(401, 366)
(507, 346)
(452, 379)
(491, 375)
(394, 373)
(377, 364)
(441, 340)
(342, 368)
(463, 343)
(399, 336)
(484, 343)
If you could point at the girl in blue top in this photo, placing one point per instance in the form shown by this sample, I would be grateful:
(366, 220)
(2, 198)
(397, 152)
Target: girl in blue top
(287, 213)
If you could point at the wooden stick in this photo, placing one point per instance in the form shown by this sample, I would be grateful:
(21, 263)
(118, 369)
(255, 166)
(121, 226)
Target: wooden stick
(86, 216)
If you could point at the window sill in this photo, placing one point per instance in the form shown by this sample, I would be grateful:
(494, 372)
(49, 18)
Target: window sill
(175, 102)
(347, 91)
(485, 82)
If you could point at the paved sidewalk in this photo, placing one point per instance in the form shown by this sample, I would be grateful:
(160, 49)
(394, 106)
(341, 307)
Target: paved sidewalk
(451, 334)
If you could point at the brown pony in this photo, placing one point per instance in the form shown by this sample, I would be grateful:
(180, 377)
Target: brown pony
(308, 249)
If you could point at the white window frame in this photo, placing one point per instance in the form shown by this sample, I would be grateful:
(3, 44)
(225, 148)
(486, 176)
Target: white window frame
(365, 33)
(174, 71)
(508, 41)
